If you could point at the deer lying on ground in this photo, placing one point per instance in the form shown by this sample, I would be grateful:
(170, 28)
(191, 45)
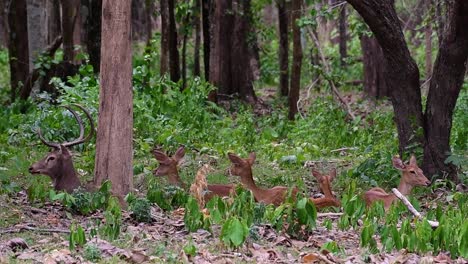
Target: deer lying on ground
(276, 195)
(411, 176)
(168, 167)
(58, 163)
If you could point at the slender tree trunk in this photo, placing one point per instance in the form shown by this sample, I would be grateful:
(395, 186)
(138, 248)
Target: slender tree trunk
(93, 32)
(184, 61)
(196, 52)
(114, 137)
(206, 11)
(18, 48)
(343, 36)
(53, 20)
(428, 40)
(373, 60)
(68, 17)
(402, 71)
(174, 65)
(37, 29)
(164, 64)
(283, 47)
(447, 79)
(77, 28)
(149, 25)
(297, 60)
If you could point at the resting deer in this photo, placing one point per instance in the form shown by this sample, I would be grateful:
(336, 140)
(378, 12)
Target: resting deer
(58, 163)
(168, 167)
(324, 182)
(276, 195)
(411, 176)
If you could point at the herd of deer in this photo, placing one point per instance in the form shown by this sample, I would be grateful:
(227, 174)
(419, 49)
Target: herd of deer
(58, 165)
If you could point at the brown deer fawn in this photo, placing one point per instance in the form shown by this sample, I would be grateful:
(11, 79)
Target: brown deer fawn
(276, 195)
(411, 176)
(168, 167)
(58, 163)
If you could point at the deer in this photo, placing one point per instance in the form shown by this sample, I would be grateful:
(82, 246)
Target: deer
(168, 166)
(242, 167)
(58, 163)
(411, 176)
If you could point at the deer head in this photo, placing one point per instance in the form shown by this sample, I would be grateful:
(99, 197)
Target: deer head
(412, 175)
(325, 181)
(168, 165)
(58, 163)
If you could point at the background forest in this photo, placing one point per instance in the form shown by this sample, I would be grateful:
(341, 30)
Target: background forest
(306, 85)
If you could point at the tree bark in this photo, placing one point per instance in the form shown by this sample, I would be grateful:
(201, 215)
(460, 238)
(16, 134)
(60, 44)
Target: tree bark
(149, 25)
(37, 29)
(174, 66)
(53, 20)
(114, 136)
(196, 52)
(93, 32)
(343, 36)
(283, 47)
(68, 18)
(402, 71)
(428, 46)
(447, 79)
(18, 48)
(164, 63)
(206, 11)
(373, 60)
(297, 60)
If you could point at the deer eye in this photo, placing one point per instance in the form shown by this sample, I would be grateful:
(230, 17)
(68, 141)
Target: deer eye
(50, 159)
(413, 172)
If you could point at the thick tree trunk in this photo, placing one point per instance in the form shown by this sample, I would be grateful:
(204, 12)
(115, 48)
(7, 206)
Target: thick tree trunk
(174, 66)
(206, 11)
(196, 52)
(93, 32)
(297, 60)
(53, 20)
(343, 36)
(283, 47)
(68, 18)
(164, 63)
(37, 29)
(114, 136)
(18, 48)
(447, 79)
(402, 71)
(375, 80)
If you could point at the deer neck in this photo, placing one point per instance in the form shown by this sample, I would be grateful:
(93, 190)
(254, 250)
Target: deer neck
(248, 182)
(67, 180)
(175, 179)
(405, 187)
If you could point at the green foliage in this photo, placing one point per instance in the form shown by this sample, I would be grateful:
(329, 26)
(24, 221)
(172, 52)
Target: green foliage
(113, 216)
(234, 231)
(140, 207)
(77, 236)
(193, 217)
(92, 253)
(167, 198)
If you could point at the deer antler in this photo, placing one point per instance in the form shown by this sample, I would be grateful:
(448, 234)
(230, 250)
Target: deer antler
(80, 139)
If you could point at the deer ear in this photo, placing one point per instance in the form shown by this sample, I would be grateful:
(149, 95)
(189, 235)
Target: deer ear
(316, 174)
(413, 161)
(64, 151)
(234, 158)
(161, 157)
(332, 174)
(252, 157)
(397, 163)
(180, 153)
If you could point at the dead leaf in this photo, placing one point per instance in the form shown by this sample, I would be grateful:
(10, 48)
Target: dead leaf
(310, 258)
(442, 258)
(17, 243)
(138, 256)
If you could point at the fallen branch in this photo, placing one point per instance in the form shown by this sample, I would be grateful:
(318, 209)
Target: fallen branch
(329, 214)
(411, 208)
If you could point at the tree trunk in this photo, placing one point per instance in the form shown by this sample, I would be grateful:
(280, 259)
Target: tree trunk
(114, 136)
(428, 40)
(53, 20)
(373, 60)
(184, 61)
(149, 25)
(174, 66)
(77, 28)
(68, 18)
(343, 36)
(447, 79)
(3, 25)
(402, 71)
(297, 60)
(18, 48)
(206, 11)
(283, 47)
(164, 63)
(37, 29)
(93, 32)
(196, 52)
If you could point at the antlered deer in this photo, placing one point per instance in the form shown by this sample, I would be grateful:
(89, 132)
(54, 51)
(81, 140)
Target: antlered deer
(276, 195)
(58, 163)
(411, 176)
(168, 167)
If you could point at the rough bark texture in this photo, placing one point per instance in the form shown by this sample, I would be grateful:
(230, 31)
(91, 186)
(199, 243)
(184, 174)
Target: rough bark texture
(174, 65)
(53, 20)
(343, 36)
(114, 136)
(93, 32)
(206, 11)
(293, 96)
(164, 63)
(283, 47)
(18, 45)
(375, 80)
(37, 28)
(196, 52)
(149, 24)
(447, 79)
(68, 18)
(230, 68)
(402, 71)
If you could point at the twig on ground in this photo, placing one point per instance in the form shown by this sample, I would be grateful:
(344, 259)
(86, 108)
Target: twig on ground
(329, 214)
(411, 208)
(344, 148)
(29, 228)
